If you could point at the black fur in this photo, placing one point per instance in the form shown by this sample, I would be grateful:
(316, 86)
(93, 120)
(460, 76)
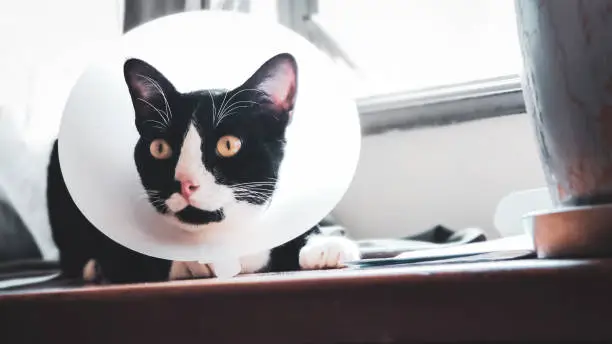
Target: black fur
(257, 119)
(78, 241)
(260, 123)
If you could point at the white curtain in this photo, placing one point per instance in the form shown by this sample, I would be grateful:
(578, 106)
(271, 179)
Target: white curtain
(40, 43)
(44, 45)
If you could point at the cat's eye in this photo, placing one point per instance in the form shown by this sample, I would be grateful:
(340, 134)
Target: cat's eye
(160, 149)
(228, 146)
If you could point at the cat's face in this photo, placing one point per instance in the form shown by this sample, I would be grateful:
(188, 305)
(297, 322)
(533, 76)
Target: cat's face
(203, 153)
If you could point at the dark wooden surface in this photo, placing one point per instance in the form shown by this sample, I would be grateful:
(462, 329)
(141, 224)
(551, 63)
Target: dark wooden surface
(512, 300)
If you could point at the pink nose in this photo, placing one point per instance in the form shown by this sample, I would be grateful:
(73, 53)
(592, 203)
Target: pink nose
(188, 188)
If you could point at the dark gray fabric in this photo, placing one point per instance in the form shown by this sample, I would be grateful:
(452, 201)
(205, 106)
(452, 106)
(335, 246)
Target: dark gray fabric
(16, 242)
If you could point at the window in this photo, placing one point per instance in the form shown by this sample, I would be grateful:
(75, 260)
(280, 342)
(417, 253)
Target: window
(401, 45)
(461, 57)
(412, 61)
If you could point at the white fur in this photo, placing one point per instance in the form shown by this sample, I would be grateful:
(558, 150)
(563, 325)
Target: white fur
(184, 270)
(254, 262)
(89, 271)
(210, 195)
(176, 202)
(248, 264)
(327, 252)
(189, 164)
(23, 179)
(320, 252)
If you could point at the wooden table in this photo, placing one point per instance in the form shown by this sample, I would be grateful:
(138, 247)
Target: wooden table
(512, 300)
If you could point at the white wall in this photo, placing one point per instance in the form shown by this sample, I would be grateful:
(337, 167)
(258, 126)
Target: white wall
(408, 181)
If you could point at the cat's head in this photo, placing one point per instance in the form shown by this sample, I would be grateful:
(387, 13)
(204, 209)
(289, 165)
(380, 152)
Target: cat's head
(201, 154)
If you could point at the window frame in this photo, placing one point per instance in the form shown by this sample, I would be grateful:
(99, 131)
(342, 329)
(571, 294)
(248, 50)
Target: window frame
(403, 110)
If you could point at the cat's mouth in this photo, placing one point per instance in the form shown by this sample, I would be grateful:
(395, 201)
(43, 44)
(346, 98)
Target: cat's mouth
(194, 216)
(190, 213)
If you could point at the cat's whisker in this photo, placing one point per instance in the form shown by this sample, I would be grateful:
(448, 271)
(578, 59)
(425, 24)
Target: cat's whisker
(258, 182)
(248, 187)
(254, 183)
(223, 104)
(222, 117)
(252, 193)
(233, 106)
(259, 191)
(156, 122)
(163, 114)
(230, 111)
(257, 199)
(214, 108)
(255, 188)
(161, 92)
(270, 180)
(151, 196)
(220, 111)
(157, 202)
(147, 193)
(245, 90)
(159, 112)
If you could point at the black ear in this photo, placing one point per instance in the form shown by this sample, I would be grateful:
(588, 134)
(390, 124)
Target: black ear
(151, 93)
(277, 80)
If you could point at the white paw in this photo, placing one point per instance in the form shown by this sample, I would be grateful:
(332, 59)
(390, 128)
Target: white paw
(188, 270)
(91, 272)
(328, 252)
(248, 264)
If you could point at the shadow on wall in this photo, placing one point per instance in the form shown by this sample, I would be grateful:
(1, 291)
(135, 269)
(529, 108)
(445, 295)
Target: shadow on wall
(410, 181)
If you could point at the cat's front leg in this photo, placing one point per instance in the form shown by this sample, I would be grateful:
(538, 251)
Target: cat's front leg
(327, 252)
(188, 270)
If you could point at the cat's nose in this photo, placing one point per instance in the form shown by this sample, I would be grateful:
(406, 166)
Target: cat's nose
(188, 188)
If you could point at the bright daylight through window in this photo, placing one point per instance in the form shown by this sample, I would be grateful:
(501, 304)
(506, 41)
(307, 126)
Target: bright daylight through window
(403, 45)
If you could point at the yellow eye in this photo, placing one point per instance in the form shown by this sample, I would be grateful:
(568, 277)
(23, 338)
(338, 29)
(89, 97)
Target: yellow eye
(228, 146)
(160, 149)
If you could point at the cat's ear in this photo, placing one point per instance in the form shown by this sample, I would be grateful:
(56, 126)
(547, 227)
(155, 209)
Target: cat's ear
(277, 80)
(150, 91)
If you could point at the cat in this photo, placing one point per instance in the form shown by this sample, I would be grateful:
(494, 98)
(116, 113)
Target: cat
(201, 156)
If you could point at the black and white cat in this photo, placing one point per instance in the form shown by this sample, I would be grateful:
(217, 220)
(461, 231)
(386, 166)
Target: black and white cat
(202, 156)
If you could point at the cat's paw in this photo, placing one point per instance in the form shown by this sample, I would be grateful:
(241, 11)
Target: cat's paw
(328, 252)
(92, 273)
(189, 270)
